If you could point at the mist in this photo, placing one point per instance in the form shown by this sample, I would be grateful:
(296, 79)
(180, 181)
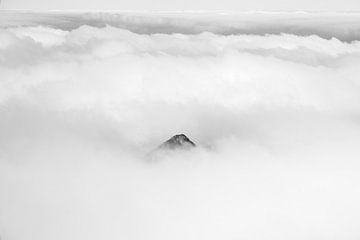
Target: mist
(275, 116)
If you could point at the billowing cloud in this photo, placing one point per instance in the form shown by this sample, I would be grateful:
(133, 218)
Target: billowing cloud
(341, 25)
(276, 118)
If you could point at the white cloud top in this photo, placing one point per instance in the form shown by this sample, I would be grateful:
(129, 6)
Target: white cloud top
(276, 117)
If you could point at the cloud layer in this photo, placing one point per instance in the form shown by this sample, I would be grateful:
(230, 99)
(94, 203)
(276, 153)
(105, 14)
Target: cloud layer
(276, 117)
(341, 25)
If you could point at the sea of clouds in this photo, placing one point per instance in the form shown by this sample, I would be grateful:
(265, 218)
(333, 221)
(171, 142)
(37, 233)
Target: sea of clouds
(276, 118)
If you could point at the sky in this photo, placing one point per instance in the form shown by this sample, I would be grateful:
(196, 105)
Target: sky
(179, 5)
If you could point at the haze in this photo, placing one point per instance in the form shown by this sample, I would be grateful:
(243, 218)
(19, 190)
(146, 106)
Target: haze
(176, 5)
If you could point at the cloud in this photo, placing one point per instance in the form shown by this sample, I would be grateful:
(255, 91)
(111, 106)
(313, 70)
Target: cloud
(276, 117)
(341, 25)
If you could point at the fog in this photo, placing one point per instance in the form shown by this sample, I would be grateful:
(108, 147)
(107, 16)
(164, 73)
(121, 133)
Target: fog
(276, 118)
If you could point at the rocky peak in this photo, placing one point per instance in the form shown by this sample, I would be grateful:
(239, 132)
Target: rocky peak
(180, 141)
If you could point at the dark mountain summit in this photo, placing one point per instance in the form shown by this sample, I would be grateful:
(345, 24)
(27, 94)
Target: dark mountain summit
(179, 141)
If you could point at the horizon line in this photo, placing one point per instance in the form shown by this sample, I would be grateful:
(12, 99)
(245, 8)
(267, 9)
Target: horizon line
(185, 11)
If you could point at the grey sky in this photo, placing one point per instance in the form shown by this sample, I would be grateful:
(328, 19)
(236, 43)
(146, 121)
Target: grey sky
(163, 5)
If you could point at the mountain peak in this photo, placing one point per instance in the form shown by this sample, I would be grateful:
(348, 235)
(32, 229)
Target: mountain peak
(179, 141)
